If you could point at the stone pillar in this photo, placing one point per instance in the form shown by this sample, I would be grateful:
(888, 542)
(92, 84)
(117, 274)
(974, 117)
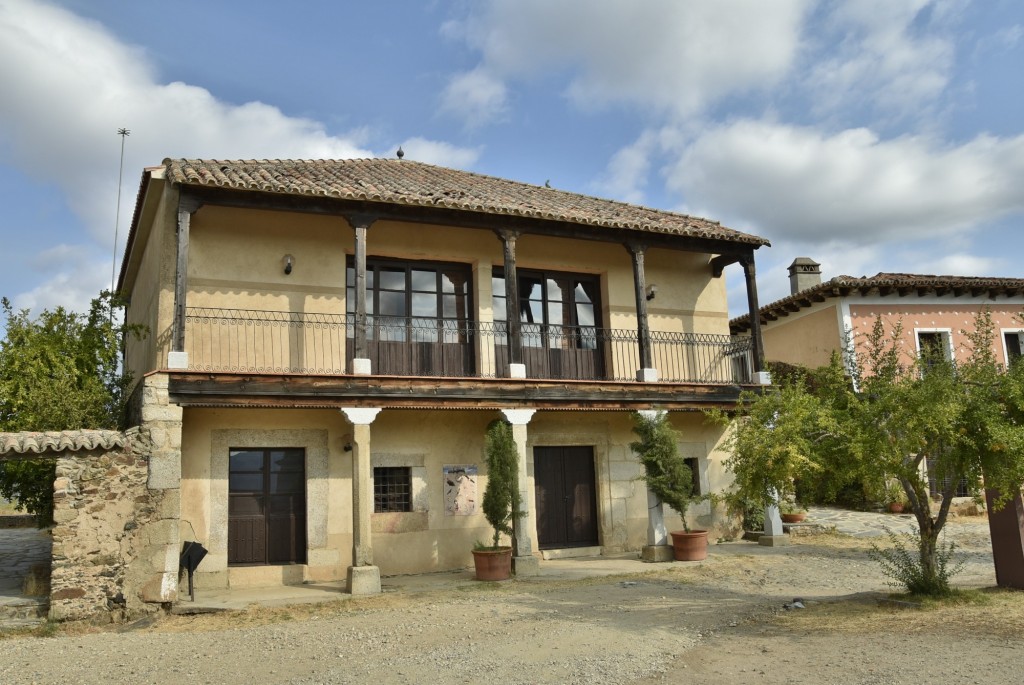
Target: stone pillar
(162, 421)
(363, 576)
(657, 547)
(523, 561)
(774, 535)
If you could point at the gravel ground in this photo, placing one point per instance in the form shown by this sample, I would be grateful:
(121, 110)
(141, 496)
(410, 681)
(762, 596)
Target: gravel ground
(721, 622)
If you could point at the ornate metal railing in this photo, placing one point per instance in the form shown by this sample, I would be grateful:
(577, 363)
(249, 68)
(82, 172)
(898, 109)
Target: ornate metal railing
(252, 341)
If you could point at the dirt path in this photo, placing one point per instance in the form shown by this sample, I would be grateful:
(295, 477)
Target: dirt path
(720, 622)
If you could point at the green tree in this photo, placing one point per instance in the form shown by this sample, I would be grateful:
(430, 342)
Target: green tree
(58, 371)
(501, 498)
(966, 418)
(665, 469)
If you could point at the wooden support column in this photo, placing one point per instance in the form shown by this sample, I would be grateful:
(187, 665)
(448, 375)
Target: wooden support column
(361, 361)
(512, 323)
(643, 330)
(757, 346)
(363, 576)
(186, 208)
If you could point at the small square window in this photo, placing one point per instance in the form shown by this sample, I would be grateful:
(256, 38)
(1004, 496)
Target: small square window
(1013, 343)
(392, 489)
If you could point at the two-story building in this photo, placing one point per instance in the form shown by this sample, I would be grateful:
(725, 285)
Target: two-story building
(328, 341)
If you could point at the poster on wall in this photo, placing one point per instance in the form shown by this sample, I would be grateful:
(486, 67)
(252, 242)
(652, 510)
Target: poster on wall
(459, 489)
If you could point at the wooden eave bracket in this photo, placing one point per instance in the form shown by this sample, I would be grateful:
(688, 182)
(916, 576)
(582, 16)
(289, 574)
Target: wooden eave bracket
(719, 263)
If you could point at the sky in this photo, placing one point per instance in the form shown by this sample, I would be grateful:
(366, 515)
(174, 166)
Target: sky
(869, 135)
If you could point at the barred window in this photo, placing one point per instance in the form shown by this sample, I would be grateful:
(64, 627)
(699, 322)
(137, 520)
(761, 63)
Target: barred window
(392, 488)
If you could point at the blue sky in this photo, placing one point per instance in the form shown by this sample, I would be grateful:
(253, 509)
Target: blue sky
(871, 135)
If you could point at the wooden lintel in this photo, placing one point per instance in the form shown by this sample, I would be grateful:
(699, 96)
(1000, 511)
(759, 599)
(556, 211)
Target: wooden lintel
(197, 389)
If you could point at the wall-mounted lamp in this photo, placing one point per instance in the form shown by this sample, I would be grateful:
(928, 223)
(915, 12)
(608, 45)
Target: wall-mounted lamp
(346, 443)
(652, 290)
(288, 262)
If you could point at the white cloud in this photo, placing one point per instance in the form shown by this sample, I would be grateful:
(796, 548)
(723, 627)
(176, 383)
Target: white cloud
(69, 84)
(879, 56)
(74, 277)
(476, 97)
(800, 184)
(673, 56)
(436, 152)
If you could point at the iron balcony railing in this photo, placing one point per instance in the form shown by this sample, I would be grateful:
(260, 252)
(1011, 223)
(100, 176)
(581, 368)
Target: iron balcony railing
(252, 341)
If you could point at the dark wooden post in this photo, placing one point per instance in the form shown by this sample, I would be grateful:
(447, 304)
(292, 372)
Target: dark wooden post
(757, 346)
(187, 206)
(643, 330)
(360, 223)
(513, 326)
(1006, 527)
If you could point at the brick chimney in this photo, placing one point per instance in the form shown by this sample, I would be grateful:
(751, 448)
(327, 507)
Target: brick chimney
(804, 273)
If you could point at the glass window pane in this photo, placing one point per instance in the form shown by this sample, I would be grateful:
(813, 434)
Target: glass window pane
(530, 288)
(581, 293)
(392, 304)
(288, 481)
(245, 460)
(555, 313)
(424, 280)
(245, 482)
(350, 276)
(391, 278)
(498, 286)
(534, 312)
(424, 304)
(455, 282)
(585, 315)
(287, 460)
(555, 288)
(350, 300)
(498, 307)
(424, 330)
(455, 307)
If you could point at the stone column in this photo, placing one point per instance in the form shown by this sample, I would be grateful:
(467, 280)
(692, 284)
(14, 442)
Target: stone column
(523, 561)
(363, 576)
(162, 420)
(657, 547)
(361, 365)
(774, 535)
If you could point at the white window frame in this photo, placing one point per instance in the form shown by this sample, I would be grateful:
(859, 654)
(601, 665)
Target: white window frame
(1003, 332)
(947, 333)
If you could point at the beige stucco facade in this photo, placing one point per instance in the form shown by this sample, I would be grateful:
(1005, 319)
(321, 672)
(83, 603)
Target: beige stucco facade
(248, 317)
(806, 338)
(429, 538)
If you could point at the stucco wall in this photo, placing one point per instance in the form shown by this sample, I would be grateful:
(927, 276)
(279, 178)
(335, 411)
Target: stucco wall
(426, 539)
(235, 262)
(804, 338)
(952, 317)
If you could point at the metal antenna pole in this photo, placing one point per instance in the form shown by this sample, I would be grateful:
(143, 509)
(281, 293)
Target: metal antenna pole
(124, 133)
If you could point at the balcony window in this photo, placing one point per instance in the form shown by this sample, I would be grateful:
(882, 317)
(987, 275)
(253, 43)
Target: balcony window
(417, 317)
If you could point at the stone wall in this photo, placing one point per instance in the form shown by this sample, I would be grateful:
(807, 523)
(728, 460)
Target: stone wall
(107, 542)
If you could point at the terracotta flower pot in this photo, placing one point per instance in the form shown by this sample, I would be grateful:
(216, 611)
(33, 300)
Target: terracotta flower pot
(692, 546)
(793, 518)
(493, 564)
(896, 507)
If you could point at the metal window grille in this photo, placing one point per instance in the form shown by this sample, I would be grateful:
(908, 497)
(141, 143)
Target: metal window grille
(392, 489)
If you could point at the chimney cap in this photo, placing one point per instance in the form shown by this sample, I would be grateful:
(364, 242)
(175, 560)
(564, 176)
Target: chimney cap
(804, 264)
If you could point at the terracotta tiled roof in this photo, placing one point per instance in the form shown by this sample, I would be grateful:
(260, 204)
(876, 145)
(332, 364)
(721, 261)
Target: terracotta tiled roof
(404, 182)
(59, 441)
(894, 284)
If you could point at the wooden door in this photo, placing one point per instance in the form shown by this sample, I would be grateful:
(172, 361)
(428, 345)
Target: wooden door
(566, 497)
(267, 506)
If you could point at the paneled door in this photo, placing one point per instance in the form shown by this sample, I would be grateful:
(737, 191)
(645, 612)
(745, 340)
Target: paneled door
(267, 506)
(566, 496)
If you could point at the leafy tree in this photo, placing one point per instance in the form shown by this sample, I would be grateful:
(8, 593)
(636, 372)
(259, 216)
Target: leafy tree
(59, 371)
(966, 418)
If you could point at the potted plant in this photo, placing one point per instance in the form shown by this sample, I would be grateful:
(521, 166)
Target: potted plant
(501, 502)
(792, 512)
(670, 479)
(896, 499)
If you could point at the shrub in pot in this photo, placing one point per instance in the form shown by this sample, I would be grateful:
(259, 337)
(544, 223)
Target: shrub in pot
(670, 479)
(501, 502)
(792, 512)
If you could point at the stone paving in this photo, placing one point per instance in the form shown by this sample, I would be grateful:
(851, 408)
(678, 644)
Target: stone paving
(861, 524)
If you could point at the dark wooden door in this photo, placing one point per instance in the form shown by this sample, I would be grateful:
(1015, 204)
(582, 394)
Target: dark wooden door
(566, 497)
(267, 506)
